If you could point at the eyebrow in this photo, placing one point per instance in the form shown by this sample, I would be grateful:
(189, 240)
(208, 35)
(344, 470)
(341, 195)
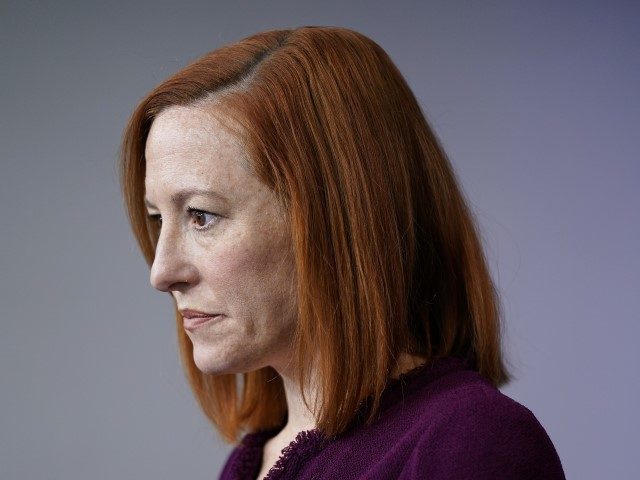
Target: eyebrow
(182, 195)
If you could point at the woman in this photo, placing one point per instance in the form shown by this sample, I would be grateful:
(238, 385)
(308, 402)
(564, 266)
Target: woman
(290, 196)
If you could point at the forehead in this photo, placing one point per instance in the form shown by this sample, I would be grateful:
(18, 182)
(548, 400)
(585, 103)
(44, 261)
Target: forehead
(187, 144)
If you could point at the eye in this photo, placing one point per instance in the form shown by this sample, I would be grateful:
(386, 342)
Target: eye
(203, 220)
(156, 219)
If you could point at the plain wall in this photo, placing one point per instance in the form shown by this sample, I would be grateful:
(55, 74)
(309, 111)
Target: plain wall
(536, 104)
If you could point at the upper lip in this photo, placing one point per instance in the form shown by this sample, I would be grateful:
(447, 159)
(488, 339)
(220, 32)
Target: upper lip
(190, 313)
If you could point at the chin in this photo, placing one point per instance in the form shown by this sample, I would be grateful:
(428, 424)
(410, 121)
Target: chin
(214, 362)
(207, 362)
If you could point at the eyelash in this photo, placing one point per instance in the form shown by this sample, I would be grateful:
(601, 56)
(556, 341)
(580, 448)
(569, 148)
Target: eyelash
(192, 212)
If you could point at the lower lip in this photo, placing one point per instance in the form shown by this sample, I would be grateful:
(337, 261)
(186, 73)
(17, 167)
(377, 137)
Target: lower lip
(194, 323)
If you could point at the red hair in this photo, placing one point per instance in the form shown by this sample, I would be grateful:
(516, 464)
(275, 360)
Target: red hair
(387, 252)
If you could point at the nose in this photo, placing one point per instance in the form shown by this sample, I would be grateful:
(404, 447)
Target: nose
(171, 269)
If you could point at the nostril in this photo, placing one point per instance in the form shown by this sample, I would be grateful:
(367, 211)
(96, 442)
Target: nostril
(169, 277)
(158, 277)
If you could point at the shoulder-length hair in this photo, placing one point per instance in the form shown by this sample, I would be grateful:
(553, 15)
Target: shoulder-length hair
(387, 252)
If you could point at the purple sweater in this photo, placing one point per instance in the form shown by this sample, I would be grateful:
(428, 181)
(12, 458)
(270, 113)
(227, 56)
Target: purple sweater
(439, 421)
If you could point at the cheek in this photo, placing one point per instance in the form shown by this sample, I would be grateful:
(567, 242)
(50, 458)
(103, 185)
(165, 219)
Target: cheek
(252, 278)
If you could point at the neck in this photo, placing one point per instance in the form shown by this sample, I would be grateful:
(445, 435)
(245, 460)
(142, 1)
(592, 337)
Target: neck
(300, 417)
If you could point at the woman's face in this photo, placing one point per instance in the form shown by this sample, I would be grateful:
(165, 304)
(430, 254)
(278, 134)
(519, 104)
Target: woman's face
(224, 246)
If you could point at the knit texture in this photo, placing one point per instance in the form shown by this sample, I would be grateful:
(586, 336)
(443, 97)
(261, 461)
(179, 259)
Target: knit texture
(439, 421)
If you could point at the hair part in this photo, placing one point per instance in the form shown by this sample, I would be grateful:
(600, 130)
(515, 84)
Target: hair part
(388, 256)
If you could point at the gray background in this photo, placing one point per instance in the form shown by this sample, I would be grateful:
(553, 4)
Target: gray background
(536, 104)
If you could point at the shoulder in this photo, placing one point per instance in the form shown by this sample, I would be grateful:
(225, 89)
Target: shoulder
(469, 429)
(230, 465)
(244, 460)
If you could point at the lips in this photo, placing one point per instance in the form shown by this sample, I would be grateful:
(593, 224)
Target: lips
(193, 319)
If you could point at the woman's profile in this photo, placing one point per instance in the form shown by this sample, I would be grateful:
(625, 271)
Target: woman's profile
(335, 313)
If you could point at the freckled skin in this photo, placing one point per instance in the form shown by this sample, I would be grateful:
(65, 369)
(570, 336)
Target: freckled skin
(242, 266)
